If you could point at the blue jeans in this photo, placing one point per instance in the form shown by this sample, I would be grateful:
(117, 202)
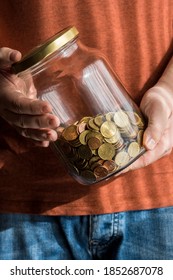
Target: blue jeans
(134, 235)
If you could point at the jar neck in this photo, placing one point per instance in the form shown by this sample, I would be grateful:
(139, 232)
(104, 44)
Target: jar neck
(64, 53)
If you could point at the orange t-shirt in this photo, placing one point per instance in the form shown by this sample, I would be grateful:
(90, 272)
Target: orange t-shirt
(136, 36)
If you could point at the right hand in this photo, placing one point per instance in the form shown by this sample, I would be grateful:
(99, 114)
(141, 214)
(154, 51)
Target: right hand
(31, 117)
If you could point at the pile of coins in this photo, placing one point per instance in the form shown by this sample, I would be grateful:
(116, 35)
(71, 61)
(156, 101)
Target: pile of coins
(96, 147)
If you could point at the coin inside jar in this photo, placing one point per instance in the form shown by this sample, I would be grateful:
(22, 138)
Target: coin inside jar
(94, 143)
(122, 158)
(99, 146)
(133, 149)
(110, 165)
(106, 151)
(121, 119)
(108, 129)
(100, 171)
(70, 133)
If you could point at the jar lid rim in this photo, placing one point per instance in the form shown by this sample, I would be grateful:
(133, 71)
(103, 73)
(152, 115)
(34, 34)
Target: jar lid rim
(42, 51)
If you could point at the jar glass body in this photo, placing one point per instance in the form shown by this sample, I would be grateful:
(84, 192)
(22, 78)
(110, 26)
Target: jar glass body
(101, 127)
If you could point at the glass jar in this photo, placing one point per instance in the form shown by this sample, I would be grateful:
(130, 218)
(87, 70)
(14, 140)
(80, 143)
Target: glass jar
(101, 128)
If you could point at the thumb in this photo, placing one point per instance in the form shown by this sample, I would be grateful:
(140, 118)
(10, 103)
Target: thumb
(157, 112)
(8, 56)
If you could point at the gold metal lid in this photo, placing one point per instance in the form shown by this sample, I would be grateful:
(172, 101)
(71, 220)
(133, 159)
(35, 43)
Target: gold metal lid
(44, 50)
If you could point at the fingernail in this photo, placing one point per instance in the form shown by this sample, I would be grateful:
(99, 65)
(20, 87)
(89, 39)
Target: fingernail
(45, 136)
(53, 122)
(52, 135)
(45, 144)
(46, 109)
(150, 143)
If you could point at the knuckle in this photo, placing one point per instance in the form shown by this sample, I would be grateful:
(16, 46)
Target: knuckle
(21, 121)
(4, 54)
(32, 108)
(145, 161)
(24, 132)
(17, 106)
(38, 122)
(2, 50)
(168, 152)
(20, 130)
(156, 128)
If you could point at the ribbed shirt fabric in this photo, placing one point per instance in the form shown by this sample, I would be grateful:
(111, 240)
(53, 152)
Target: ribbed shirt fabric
(136, 36)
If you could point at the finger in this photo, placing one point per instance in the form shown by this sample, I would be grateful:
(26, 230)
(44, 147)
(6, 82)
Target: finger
(38, 134)
(44, 144)
(158, 114)
(163, 148)
(32, 121)
(37, 143)
(20, 104)
(8, 56)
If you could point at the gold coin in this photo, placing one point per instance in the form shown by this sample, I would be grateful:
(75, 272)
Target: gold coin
(81, 127)
(128, 131)
(133, 149)
(119, 145)
(70, 133)
(108, 129)
(85, 119)
(121, 119)
(98, 120)
(106, 151)
(132, 117)
(122, 158)
(136, 119)
(115, 138)
(92, 125)
(82, 137)
(109, 116)
(141, 125)
(132, 132)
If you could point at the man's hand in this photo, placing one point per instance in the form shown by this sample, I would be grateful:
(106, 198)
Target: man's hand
(157, 106)
(19, 106)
